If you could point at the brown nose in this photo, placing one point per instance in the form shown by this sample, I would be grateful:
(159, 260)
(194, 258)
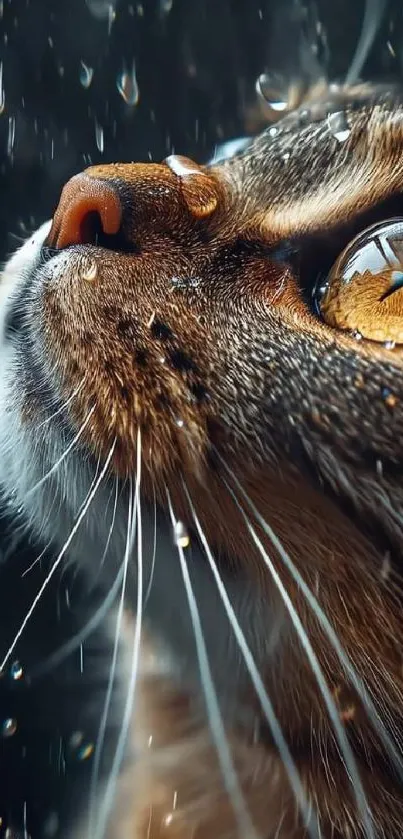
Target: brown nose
(87, 204)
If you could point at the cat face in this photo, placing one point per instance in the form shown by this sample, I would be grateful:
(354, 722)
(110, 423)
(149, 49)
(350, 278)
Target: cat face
(164, 336)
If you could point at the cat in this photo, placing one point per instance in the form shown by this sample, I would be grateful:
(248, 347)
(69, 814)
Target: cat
(201, 390)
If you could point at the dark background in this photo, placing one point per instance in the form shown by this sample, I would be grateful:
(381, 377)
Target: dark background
(196, 65)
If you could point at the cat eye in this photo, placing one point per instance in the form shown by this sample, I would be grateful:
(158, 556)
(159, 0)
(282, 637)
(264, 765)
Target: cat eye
(363, 292)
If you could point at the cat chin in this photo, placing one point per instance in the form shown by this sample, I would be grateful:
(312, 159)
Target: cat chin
(49, 501)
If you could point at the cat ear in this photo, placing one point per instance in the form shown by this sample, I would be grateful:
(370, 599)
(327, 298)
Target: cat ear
(199, 188)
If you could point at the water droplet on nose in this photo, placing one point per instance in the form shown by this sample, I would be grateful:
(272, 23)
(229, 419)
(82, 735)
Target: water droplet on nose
(181, 535)
(90, 271)
(86, 74)
(338, 126)
(270, 92)
(16, 670)
(127, 86)
(9, 727)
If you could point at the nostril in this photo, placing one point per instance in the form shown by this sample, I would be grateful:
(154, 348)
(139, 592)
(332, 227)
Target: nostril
(89, 210)
(91, 228)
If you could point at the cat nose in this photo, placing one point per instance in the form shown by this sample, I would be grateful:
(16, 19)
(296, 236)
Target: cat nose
(88, 206)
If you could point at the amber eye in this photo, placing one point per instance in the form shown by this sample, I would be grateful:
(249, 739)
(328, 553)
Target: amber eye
(364, 289)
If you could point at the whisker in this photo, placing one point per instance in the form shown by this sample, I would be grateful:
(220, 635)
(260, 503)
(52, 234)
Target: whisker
(326, 625)
(131, 523)
(267, 706)
(64, 406)
(128, 710)
(71, 645)
(105, 551)
(150, 582)
(36, 561)
(215, 719)
(339, 729)
(373, 14)
(66, 452)
(90, 497)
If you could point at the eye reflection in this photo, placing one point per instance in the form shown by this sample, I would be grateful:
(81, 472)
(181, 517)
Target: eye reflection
(364, 289)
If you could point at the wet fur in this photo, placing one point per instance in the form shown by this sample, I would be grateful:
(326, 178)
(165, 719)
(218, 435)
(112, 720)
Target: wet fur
(294, 408)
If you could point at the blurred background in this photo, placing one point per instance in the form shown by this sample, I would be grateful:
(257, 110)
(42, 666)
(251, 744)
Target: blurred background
(89, 80)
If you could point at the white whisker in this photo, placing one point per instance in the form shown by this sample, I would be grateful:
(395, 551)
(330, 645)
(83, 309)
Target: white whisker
(90, 497)
(339, 729)
(150, 582)
(215, 719)
(36, 561)
(267, 706)
(131, 523)
(64, 406)
(105, 551)
(66, 452)
(327, 627)
(56, 658)
(107, 801)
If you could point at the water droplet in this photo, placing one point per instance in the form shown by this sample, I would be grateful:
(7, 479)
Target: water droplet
(51, 826)
(166, 6)
(388, 397)
(386, 566)
(181, 535)
(2, 94)
(101, 9)
(9, 727)
(86, 74)
(99, 137)
(270, 92)
(338, 126)
(90, 271)
(76, 739)
(180, 423)
(379, 468)
(168, 819)
(11, 135)
(127, 86)
(390, 345)
(85, 751)
(357, 335)
(180, 283)
(16, 670)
